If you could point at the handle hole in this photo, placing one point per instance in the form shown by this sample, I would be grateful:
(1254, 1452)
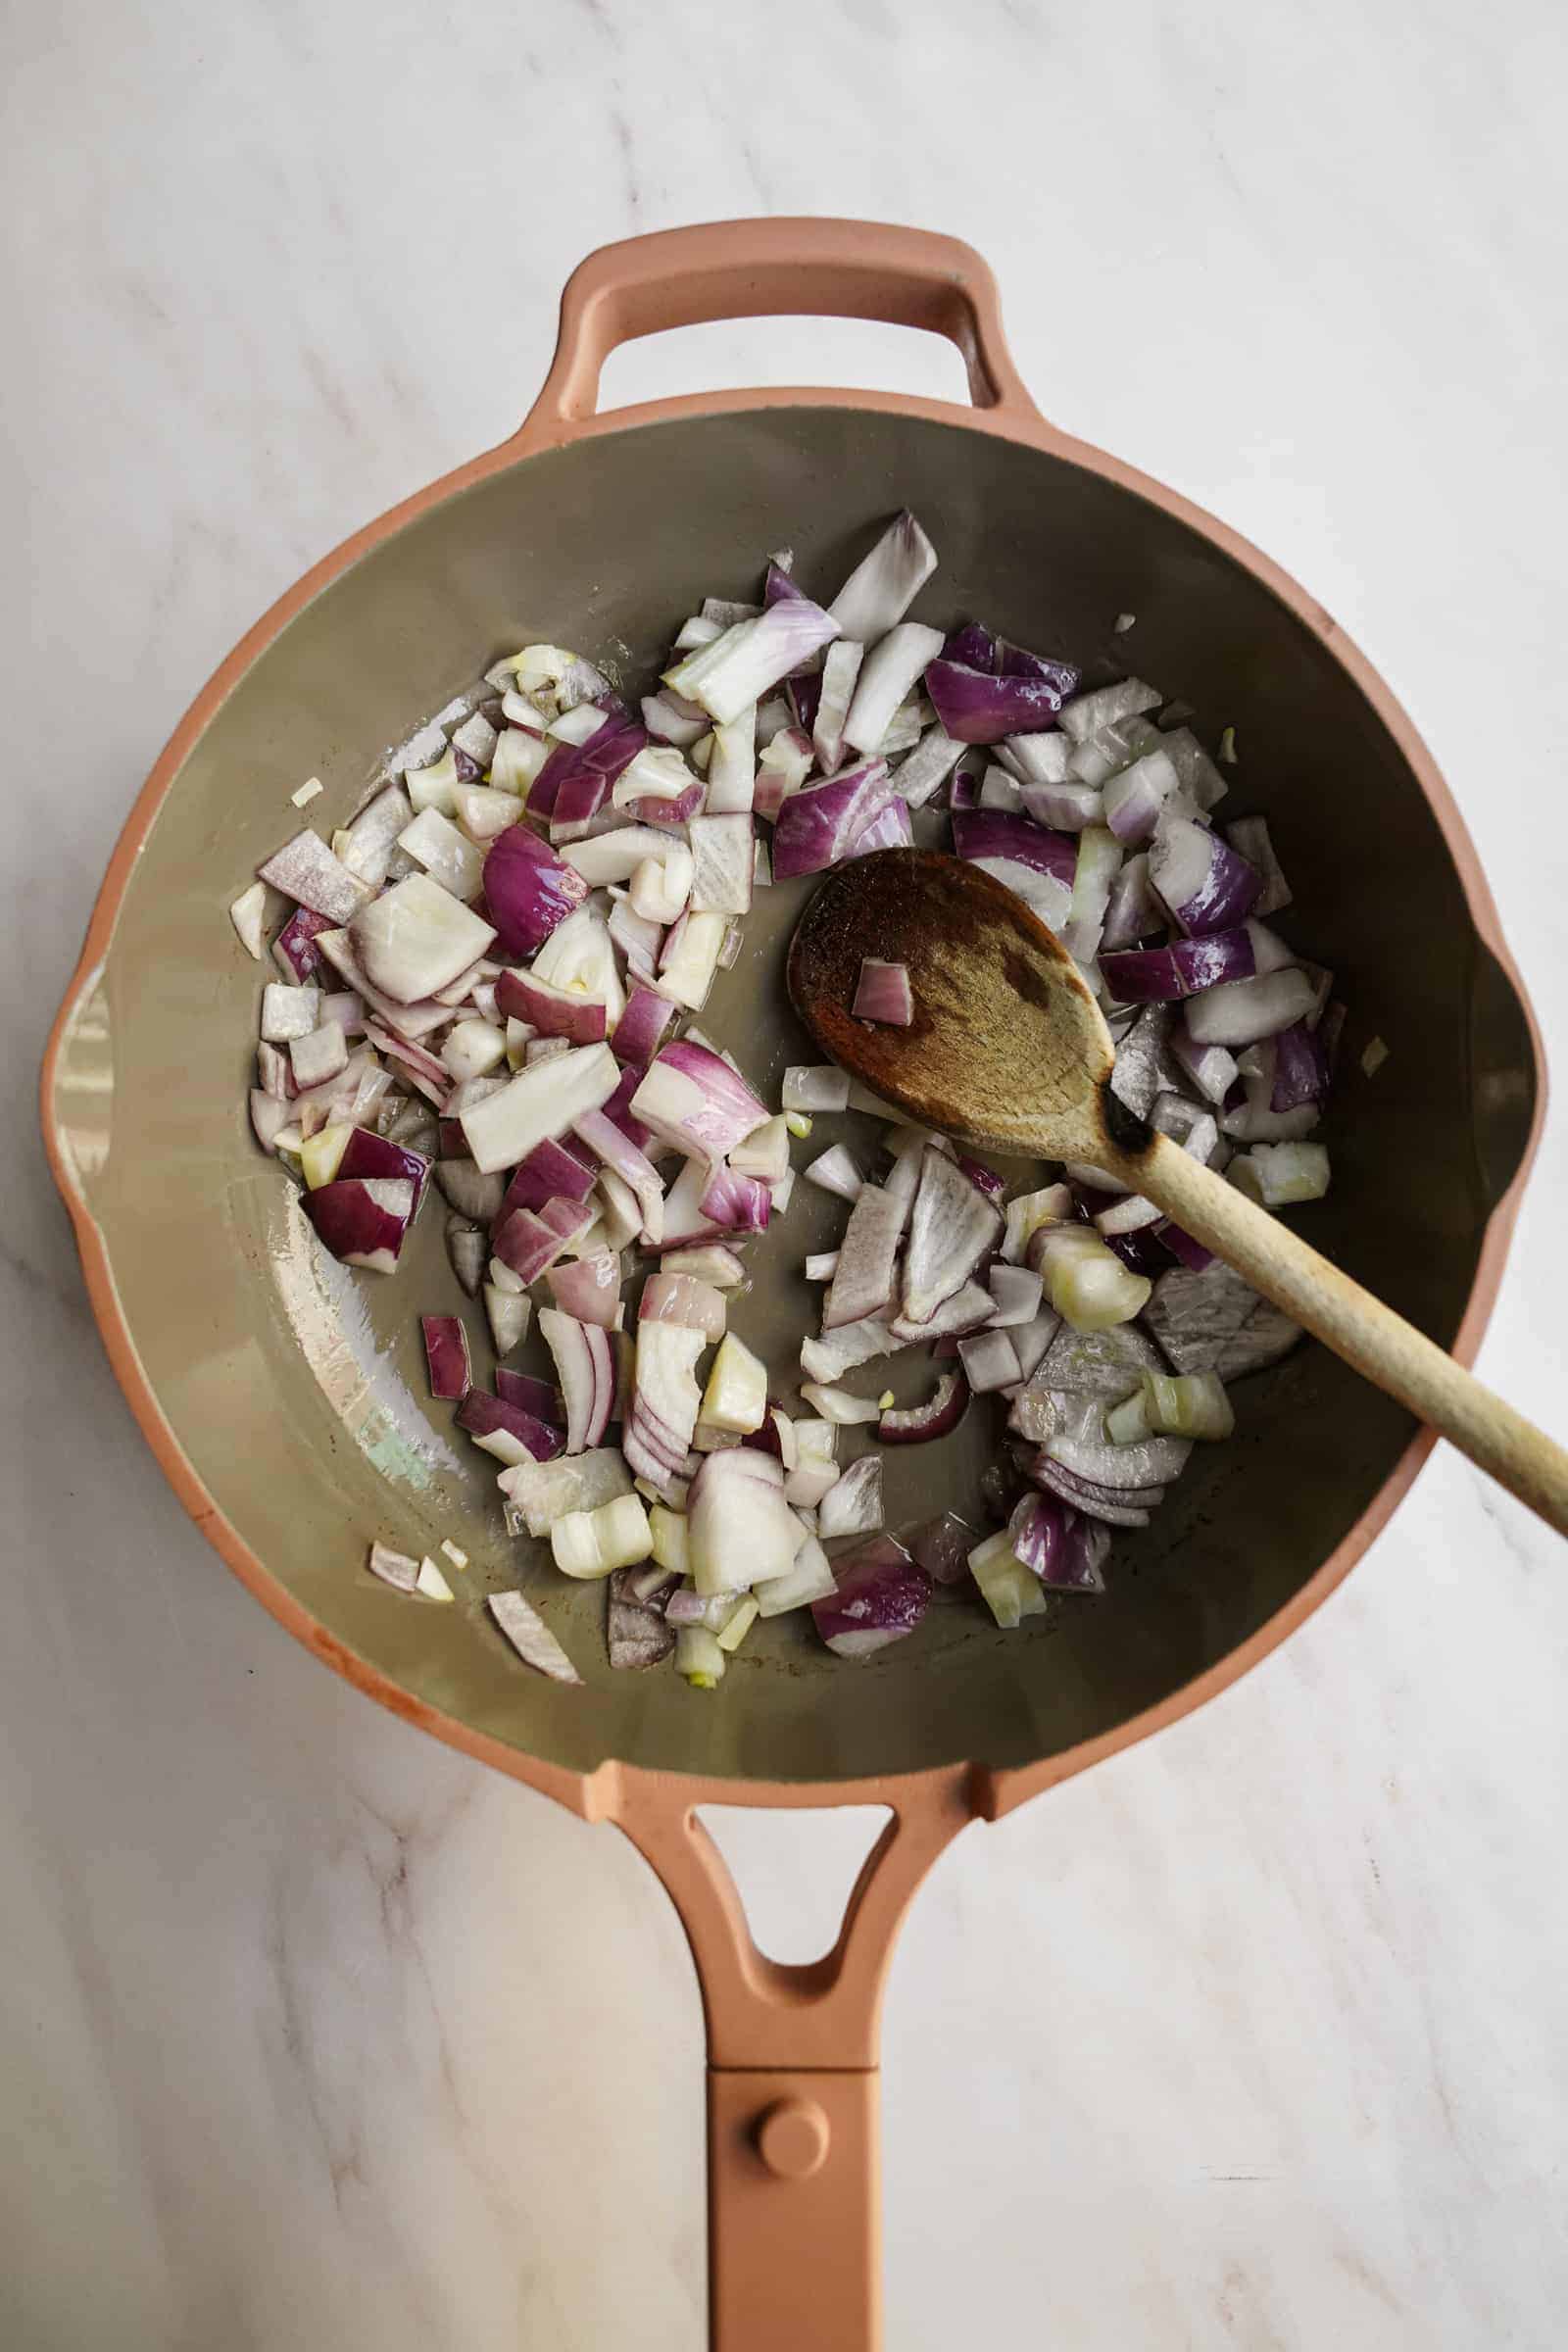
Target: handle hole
(854, 355)
(793, 1870)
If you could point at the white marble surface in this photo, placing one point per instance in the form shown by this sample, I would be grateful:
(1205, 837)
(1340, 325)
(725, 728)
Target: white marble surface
(314, 2033)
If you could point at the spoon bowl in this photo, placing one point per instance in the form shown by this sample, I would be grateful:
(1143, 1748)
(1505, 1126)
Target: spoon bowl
(1008, 1049)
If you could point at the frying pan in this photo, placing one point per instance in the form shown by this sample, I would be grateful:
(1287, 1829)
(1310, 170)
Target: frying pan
(284, 1396)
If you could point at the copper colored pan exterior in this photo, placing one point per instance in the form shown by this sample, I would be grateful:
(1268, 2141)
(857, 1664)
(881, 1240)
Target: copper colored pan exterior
(282, 1395)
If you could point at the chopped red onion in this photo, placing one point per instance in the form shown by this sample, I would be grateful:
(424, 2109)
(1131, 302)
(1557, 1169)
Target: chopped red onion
(841, 666)
(951, 1226)
(836, 1173)
(1203, 881)
(1244, 1011)
(550, 1010)
(506, 1430)
(852, 1504)
(938, 1417)
(362, 1220)
(1187, 967)
(885, 584)
(816, 828)
(881, 1594)
(692, 1099)
(683, 1298)
(889, 829)
(306, 869)
(748, 659)
(446, 1356)
(735, 1204)
(975, 707)
(889, 672)
(883, 994)
(531, 1636)
(1087, 713)
(988, 1361)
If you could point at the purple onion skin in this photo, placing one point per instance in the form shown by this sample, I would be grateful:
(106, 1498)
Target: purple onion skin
(975, 707)
(937, 1418)
(572, 783)
(1226, 898)
(1162, 976)
(552, 1171)
(997, 833)
(617, 1111)
(296, 942)
(1300, 1068)
(805, 699)
(529, 890)
(880, 1590)
(445, 1356)
(530, 1394)
(942, 1548)
(779, 585)
(984, 1179)
(348, 1222)
(1140, 1249)
(1038, 1532)
(481, 1414)
(963, 786)
(975, 648)
(641, 1028)
(1183, 1246)
(368, 1154)
(972, 648)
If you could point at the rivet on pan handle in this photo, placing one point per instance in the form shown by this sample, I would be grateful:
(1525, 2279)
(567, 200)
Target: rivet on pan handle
(794, 2194)
(770, 268)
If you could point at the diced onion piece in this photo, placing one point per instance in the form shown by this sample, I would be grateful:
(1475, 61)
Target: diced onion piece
(444, 853)
(746, 660)
(836, 1173)
(880, 1596)
(698, 1660)
(1027, 1213)
(690, 958)
(1086, 1283)
(538, 1106)
(246, 915)
(838, 1405)
(809, 1578)
(1010, 1591)
(531, 1636)
(1191, 1404)
(1238, 1012)
(820, 1086)
(738, 1529)
(430, 1581)
(592, 1544)
(852, 1504)
(887, 675)
(416, 937)
(394, 1568)
(883, 585)
(883, 994)
(736, 1395)
(1277, 1175)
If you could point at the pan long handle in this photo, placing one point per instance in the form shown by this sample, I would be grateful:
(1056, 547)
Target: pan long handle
(769, 268)
(793, 2202)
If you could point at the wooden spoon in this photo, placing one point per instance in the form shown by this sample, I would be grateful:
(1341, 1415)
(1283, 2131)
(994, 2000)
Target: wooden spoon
(1009, 1052)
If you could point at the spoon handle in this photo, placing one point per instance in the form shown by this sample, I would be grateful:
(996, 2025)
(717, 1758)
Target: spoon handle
(1386, 1349)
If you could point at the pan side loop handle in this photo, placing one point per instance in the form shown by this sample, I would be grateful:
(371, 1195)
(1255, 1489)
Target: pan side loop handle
(772, 268)
(793, 2202)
